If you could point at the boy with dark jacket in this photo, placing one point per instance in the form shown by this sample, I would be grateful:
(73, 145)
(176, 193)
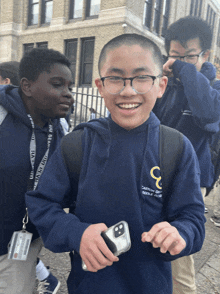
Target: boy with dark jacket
(30, 131)
(120, 180)
(9, 73)
(191, 105)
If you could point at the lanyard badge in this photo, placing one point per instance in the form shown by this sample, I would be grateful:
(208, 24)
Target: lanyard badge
(19, 245)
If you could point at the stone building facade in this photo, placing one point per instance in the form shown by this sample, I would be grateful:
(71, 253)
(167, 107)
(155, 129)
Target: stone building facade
(80, 28)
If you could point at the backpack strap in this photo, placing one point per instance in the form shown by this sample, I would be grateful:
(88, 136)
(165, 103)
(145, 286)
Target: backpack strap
(3, 113)
(73, 160)
(170, 150)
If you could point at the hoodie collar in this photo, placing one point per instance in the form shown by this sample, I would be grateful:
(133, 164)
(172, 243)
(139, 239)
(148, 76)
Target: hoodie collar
(11, 100)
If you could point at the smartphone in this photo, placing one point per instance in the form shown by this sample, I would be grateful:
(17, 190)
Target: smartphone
(117, 238)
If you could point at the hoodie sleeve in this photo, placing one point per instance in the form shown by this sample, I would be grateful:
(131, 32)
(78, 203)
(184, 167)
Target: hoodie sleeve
(203, 100)
(60, 231)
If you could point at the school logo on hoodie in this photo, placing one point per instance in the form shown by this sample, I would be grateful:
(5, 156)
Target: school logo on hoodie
(155, 175)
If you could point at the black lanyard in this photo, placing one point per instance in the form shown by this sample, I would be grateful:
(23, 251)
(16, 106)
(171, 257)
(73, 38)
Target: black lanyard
(34, 179)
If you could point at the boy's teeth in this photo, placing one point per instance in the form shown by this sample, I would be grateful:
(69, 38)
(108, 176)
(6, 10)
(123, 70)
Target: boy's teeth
(129, 105)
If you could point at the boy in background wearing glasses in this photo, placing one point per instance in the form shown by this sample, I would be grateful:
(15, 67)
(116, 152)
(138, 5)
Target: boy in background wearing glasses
(120, 180)
(190, 104)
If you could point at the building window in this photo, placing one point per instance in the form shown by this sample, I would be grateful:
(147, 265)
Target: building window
(92, 7)
(71, 54)
(218, 37)
(76, 7)
(47, 11)
(210, 17)
(156, 16)
(33, 12)
(87, 62)
(166, 11)
(196, 8)
(42, 45)
(147, 13)
(157, 13)
(28, 47)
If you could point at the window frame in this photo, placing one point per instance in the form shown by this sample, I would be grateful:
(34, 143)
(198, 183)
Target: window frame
(83, 62)
(73, 63)
(88, 9)
(44, 12)
(30, 12)
(26, 49)
(42, 44)
(72, 10)
(148, 13)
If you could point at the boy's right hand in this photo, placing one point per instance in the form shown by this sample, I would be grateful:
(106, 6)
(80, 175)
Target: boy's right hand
(167, 67)
(93, 249)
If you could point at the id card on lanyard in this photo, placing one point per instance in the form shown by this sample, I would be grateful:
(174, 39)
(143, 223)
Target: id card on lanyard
(19, 245)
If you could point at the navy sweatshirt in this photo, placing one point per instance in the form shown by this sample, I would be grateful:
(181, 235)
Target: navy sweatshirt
(192, 106)
(15, 166)
(116, 184)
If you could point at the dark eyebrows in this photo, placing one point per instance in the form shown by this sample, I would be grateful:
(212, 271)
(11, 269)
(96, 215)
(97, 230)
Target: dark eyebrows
(121, 71)
(141, 69)
(115, 70)
(187, 52)
(60, 79)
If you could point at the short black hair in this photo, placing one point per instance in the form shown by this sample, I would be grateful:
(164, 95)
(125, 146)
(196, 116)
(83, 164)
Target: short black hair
(9, 69)
(131, 39)
(188, 28)
(39, 60)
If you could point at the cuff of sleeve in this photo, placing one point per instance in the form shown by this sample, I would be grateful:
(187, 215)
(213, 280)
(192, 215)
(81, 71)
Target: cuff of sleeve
(177, 66)
(76, 234)
(182, 231)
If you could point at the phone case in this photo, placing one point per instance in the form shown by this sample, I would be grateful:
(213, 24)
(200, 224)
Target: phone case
(117, 238)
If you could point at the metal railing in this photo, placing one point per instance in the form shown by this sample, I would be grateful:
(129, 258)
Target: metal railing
(86, 102)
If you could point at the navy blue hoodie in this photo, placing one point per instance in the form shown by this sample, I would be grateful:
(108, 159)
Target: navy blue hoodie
(192, 106)
(15, 166)
(116, 184)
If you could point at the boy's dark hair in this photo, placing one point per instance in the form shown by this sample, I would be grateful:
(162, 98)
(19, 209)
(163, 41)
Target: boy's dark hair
(39, 60)
(188, 28)
(9, 70)
(132, 39)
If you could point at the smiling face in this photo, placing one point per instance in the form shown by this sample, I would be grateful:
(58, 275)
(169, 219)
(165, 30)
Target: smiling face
(129, 109)
(50, 95)
(192, 47)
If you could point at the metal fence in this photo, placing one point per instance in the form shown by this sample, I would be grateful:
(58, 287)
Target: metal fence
(86, 102)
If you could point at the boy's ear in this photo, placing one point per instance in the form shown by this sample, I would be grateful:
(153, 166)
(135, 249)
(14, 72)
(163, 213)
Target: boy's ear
(206, 55)
(99, 85)
(7, 81)
(26, 86)
(162, 86)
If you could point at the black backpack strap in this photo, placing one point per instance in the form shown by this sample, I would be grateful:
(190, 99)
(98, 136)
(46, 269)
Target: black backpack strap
(71, 149)
(170, 150)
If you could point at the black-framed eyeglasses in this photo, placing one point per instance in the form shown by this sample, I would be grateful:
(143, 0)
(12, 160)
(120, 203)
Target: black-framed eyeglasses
(191, 58)
(140, 84)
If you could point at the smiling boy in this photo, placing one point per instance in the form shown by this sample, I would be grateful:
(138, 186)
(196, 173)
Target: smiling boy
(119, 154)
(30, 131)
(191, 105)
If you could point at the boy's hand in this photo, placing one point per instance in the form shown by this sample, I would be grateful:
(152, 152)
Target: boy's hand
(167, 67)
(166, 237)
(93, 249)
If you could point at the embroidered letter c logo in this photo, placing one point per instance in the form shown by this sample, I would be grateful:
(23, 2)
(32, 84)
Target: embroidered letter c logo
(158, 179)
